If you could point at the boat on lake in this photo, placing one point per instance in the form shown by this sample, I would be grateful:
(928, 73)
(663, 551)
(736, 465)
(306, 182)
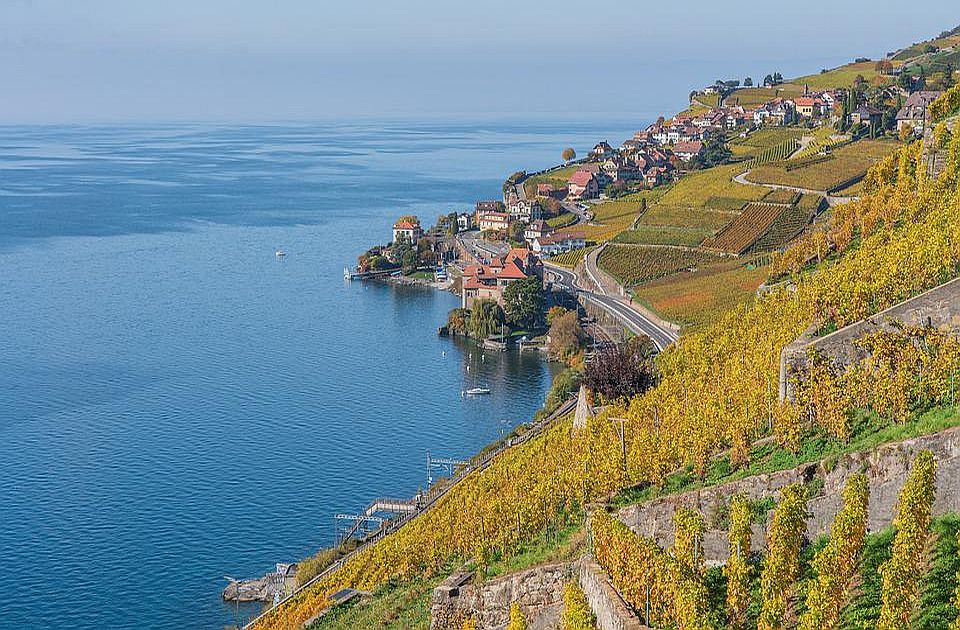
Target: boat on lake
(478, 391)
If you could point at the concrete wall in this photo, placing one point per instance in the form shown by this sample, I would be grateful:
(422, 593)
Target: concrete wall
(538, 591)
(886, 468)
(939, 307)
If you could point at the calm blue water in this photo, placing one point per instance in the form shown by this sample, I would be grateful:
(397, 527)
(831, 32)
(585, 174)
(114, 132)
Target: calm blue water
(175, 403)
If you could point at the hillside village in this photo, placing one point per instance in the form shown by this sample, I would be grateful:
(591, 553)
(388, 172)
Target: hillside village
(788, 458)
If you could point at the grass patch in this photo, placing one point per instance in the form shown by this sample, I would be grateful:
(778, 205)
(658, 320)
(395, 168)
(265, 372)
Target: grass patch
(392, 607)
(561, 544)
(842, 77)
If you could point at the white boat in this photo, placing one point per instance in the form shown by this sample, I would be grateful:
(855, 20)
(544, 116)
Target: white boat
(478, 391)
(281, 253)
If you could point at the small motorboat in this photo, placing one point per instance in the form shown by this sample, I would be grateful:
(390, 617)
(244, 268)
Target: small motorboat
(478, 391)
(281, 253)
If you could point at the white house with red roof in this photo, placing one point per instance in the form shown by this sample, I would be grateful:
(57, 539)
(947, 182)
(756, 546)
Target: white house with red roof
(493, 221)
(583, 185)
(688, 150)
(558, 243)
(407, 228)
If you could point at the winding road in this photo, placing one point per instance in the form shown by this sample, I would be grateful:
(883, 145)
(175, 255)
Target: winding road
(629, 315)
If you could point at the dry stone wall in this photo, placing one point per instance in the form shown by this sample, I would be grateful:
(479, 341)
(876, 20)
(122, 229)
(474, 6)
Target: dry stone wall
(939, 307)
(886, 468)
(538, 591)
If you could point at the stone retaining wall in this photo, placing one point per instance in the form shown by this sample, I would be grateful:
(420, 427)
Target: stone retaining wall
(886, 468)
(538, 591)
(611, 611)
(939, 307)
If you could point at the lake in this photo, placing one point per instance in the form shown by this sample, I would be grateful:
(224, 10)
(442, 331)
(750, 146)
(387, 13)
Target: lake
(176, 403)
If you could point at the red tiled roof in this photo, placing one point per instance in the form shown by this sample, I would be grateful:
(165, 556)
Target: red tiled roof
(405, 225)
(692, 147)
(581, 178)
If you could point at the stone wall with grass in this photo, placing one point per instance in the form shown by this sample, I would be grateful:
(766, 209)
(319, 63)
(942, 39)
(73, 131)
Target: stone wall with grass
(538, 591)
(886, 468)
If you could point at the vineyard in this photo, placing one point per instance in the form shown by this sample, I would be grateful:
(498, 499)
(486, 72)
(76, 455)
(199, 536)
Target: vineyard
(698, 299)
(845, 164)
(782, 195)
(716, 392)
(776, 153)
(824, 139)
(570, 259)
(848, 579)
(743, 231)
(632, 265)
(662, 235)
(783, 230)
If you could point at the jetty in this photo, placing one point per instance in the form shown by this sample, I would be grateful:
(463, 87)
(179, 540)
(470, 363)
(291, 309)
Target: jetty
(349, 274)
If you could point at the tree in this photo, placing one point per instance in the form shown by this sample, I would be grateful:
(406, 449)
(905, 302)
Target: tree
(623, 371)
(523, 302)
(458, 321)
(554, 312)
(566, 337)
(486, 318)
(515, 231)
(748, 82)
(568, 154)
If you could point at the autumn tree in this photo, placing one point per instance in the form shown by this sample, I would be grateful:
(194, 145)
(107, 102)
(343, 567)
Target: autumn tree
(622, 371)
(568, 154)
(566, 337)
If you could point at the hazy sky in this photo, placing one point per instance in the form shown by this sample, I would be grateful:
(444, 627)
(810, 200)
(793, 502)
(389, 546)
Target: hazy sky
(239, 60)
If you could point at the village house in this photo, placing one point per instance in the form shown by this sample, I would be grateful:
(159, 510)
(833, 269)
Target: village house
(407, 229)
(551, 191)
(583, 185)
(602, 151)
(536, 229)
(687, 151)
(493, 221)
(464, 222)
(559, 243)
(489, 281)
(490, 206)
(805, 106)
(526, 209)
(913, 114)
(866, 115)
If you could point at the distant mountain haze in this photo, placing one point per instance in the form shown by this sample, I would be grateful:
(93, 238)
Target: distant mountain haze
(112, 60)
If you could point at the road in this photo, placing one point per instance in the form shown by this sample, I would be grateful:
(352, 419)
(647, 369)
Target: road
(631, 318)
